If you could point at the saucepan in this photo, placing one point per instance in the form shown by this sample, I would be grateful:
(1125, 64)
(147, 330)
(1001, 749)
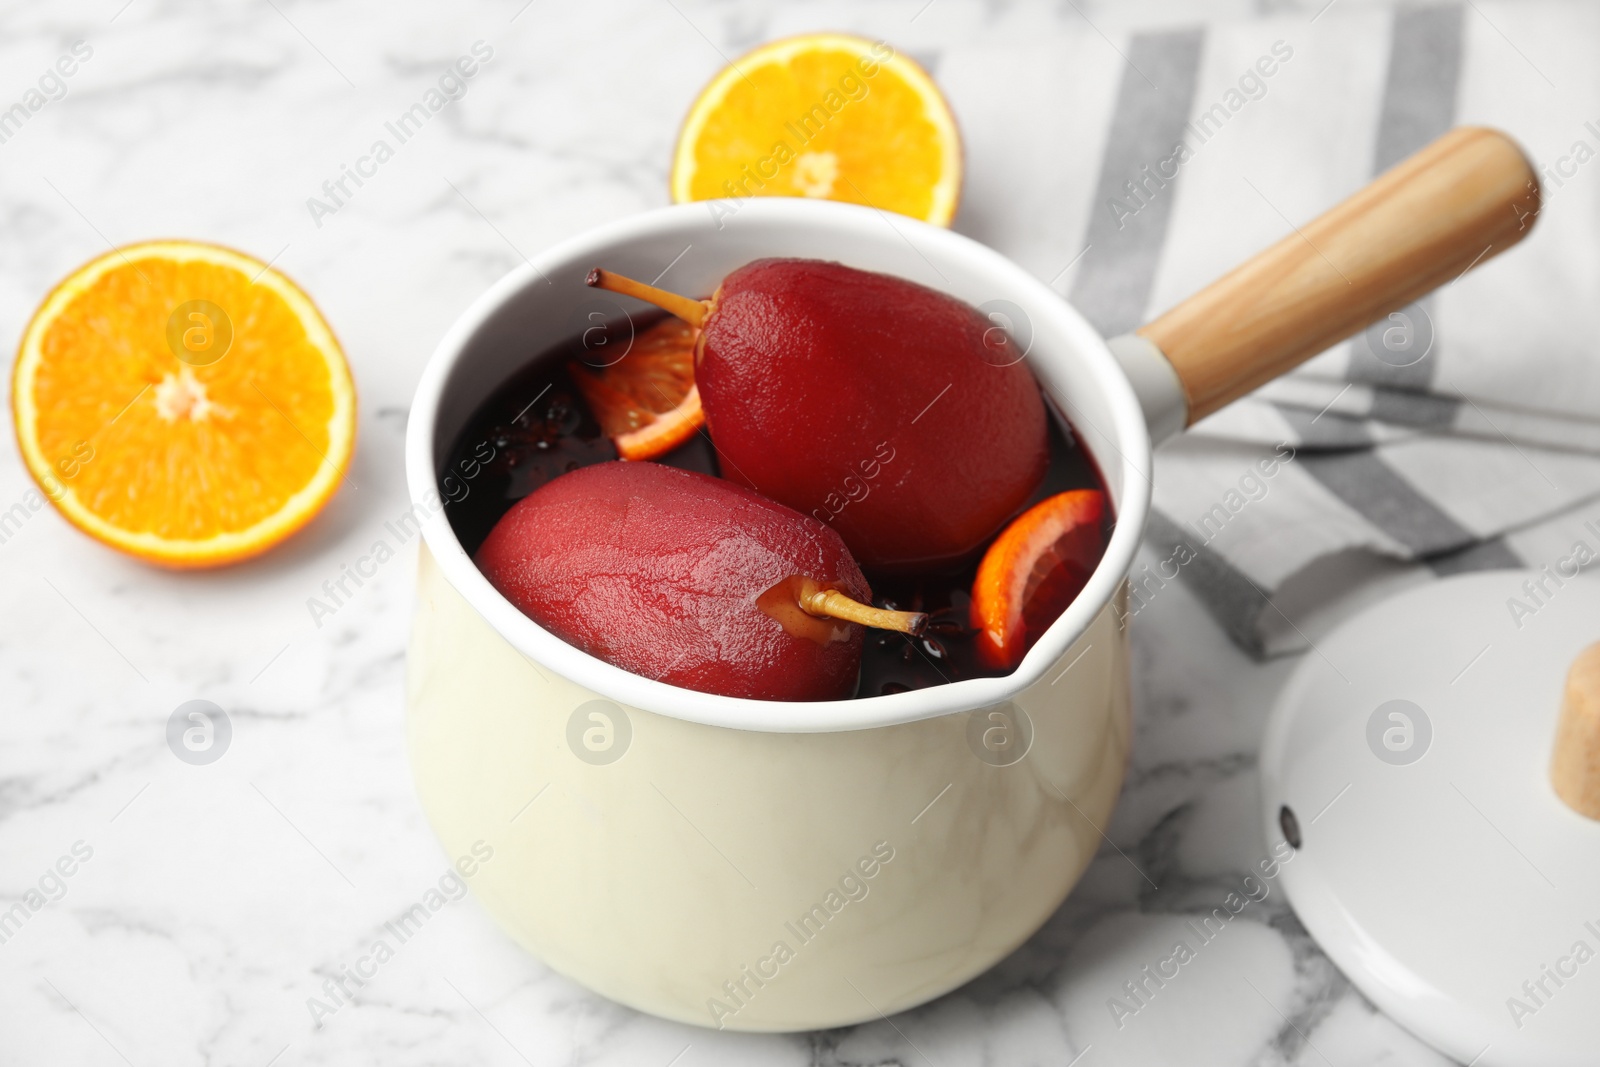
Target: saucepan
(757, 865)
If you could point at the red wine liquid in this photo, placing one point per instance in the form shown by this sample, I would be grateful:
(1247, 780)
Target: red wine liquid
(536, 427)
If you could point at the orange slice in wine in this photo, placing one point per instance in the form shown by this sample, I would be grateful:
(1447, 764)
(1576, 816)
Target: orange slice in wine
(647, 402)
(1032, 571)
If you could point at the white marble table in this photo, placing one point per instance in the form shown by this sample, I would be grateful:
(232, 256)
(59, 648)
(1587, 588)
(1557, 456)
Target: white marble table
(217, 899)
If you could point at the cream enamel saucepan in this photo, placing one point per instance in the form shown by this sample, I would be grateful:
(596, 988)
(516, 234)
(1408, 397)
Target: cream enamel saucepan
(774, 866)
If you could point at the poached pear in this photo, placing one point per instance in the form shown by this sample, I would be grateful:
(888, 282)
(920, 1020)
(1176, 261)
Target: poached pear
(690, 580)
(898, 415)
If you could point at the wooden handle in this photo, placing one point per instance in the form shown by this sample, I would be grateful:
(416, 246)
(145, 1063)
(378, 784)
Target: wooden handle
(1464, 198)
(1575, 768)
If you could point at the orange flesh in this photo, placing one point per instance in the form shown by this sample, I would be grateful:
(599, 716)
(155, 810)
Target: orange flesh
(829, 116)
(665, 432)
(189, 464)
(647, 402)
(1032, 571)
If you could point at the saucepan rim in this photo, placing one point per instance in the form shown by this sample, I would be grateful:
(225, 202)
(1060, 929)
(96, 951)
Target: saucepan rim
(1122, 449)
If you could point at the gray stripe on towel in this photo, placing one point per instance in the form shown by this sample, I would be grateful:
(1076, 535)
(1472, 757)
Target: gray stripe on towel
(1224, 591)
(1493, 555)
(1398, 407)
(1419, 104)
(1325, 430)
(1391, 503)
(1147, 124)
(1405, 407)
(1419, 97)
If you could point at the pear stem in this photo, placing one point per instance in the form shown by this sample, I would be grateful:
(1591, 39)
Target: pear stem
(832, 604)
(689, 310)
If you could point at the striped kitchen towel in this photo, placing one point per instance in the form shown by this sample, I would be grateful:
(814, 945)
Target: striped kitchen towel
(1460, 433)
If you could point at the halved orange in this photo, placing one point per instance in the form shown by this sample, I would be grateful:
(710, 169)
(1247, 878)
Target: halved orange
(824, 115)
(183, 402)
(1032, 571)
(647, 402)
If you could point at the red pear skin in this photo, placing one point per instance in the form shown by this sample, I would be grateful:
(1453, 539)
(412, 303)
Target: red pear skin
(659, 571)
(897, 414)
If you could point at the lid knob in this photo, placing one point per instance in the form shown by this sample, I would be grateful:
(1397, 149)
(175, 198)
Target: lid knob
(1575, 767)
